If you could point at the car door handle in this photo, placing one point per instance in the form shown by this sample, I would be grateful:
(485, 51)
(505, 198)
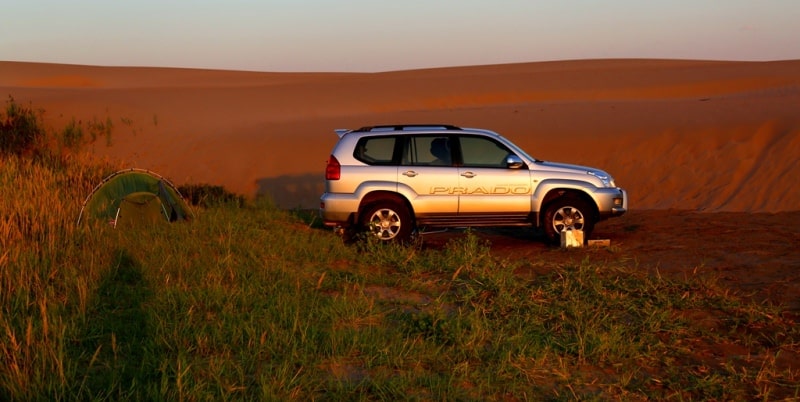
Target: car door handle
(409, 173)
(468, 175)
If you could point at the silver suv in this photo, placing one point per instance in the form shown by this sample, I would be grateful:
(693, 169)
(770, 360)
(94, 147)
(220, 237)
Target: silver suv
(396, 180)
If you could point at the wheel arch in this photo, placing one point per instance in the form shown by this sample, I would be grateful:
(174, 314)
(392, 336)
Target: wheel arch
(377, 195)
(559, 193)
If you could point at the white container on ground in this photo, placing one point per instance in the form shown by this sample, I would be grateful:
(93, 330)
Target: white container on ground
(571, 238)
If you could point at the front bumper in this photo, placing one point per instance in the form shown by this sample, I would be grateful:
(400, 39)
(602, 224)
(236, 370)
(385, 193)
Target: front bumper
(611, 202)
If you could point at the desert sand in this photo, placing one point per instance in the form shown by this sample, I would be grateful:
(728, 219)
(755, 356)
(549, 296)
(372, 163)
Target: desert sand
(677, 134)
(708, 151)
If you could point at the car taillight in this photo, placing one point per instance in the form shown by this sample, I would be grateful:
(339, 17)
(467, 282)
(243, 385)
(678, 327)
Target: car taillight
(334, 170)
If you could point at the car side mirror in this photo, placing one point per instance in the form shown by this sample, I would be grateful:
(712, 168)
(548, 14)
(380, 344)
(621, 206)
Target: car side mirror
(514, 161)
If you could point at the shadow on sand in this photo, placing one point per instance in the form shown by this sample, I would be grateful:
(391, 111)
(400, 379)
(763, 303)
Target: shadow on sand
(292, 191)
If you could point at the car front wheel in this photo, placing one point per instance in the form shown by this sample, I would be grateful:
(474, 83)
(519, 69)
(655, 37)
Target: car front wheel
(568, 213)
(388, 221)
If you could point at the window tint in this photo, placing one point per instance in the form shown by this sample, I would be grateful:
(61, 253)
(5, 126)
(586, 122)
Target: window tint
(483, 152)
(427, 150)
(375, 150)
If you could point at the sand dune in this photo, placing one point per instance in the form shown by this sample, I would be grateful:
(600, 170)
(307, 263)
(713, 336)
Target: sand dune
(698, 135)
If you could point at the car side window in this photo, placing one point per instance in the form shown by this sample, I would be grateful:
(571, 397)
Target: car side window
(375, 150)
(483, 152)
(427, 150)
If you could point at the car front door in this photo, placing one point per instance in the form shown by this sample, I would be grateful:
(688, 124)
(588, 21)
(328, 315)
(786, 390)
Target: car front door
(488, 186)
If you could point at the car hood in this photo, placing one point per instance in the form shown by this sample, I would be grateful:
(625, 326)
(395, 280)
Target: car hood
(563, 167)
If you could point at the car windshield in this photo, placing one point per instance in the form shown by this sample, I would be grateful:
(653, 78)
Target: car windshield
(519, 150)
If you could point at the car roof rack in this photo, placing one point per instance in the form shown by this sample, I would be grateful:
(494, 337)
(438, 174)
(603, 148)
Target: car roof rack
(408, 127)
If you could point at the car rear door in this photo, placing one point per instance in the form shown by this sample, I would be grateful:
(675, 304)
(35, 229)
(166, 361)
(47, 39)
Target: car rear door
(431, 179)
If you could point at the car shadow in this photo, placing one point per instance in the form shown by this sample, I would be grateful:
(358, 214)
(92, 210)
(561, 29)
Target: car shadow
(300, 194)
(292, 191)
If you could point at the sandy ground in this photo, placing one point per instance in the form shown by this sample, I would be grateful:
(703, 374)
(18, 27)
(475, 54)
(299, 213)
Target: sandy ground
(754, 254)
(692, 135)
(708, 151)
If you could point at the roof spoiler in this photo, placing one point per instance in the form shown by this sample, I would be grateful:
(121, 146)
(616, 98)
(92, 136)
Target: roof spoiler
(341, 131)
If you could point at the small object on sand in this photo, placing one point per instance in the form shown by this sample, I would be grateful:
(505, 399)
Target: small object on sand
(571, 238)
(599, 243)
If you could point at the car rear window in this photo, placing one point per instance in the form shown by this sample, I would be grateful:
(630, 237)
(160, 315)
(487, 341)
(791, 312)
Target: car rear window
(375, 150)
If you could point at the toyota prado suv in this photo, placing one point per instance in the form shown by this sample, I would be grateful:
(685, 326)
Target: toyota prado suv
(394, 181)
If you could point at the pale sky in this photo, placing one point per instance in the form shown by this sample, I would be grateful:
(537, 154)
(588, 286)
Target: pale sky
(384, 35)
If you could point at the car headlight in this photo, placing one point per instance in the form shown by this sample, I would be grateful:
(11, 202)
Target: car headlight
(603, 177)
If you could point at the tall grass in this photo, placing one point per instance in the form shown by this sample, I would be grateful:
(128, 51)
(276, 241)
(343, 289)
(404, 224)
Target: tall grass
(49, 268)
(248, 302)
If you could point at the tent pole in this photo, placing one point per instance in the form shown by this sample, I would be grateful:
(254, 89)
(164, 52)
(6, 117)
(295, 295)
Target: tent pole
(116, 217)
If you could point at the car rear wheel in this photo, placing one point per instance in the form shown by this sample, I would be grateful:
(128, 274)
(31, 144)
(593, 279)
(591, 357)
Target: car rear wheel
(388, 221)
(568, 213)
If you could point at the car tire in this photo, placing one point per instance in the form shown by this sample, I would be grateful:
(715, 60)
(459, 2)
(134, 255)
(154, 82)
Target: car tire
(388, 221)
(568, 212)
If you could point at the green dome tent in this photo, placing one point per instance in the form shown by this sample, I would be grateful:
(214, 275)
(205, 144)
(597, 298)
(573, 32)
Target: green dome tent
(133, 197)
